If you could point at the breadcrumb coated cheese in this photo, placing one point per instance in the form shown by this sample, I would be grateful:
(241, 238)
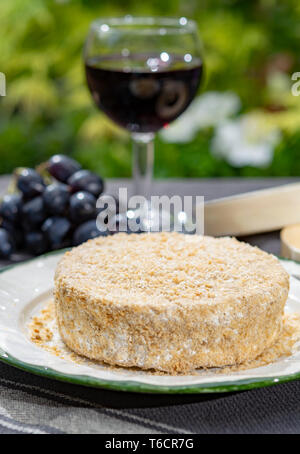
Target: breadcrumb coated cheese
(169, 301)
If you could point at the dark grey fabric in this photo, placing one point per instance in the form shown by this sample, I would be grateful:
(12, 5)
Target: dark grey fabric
(267, 410)
(32, 404)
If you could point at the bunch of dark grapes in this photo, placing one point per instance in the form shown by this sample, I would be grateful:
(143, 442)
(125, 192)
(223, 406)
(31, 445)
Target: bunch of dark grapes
(40, 217)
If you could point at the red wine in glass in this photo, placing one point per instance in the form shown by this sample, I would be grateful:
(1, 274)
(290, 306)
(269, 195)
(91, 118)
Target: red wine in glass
(145, 93)
(143, 72)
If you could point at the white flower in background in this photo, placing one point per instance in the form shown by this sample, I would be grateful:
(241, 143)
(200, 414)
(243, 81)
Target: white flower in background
(212, 108)
(246, 141)
(207, 110)
(182, 130)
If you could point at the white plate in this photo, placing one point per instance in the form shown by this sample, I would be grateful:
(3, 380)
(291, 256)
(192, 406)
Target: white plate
(26, 287)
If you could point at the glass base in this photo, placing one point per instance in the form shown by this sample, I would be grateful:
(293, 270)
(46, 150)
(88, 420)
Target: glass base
(147, 219)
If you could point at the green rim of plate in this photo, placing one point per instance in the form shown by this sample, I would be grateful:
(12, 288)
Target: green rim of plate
(136, 386)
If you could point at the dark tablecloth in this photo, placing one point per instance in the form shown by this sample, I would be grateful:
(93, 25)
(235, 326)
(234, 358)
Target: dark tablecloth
(31, 404)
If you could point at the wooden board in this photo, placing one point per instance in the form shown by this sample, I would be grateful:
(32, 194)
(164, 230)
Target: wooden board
(253, 212)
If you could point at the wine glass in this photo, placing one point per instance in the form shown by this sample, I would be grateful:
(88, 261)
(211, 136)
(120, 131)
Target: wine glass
(143, 72)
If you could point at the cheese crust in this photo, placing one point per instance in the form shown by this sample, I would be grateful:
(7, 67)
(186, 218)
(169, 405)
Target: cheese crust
(169, 301)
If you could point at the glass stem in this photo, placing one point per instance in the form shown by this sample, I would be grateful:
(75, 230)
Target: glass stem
(143, 159)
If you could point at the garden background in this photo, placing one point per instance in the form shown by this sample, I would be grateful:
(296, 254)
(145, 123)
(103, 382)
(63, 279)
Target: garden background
(245, 122)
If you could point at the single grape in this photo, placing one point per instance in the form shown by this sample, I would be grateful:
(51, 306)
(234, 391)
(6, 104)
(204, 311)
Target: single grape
(7, 246)
(30, 183)
(86, 231)
(34, 211)
(26, 226)
(10, 207)
(36, 242)
(84, 180)
(56, 229)
(15, 232)
(56, 198)
(82, 207)
(61, 167)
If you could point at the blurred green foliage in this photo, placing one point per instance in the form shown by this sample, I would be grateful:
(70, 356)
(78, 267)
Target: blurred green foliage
(48, 108)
